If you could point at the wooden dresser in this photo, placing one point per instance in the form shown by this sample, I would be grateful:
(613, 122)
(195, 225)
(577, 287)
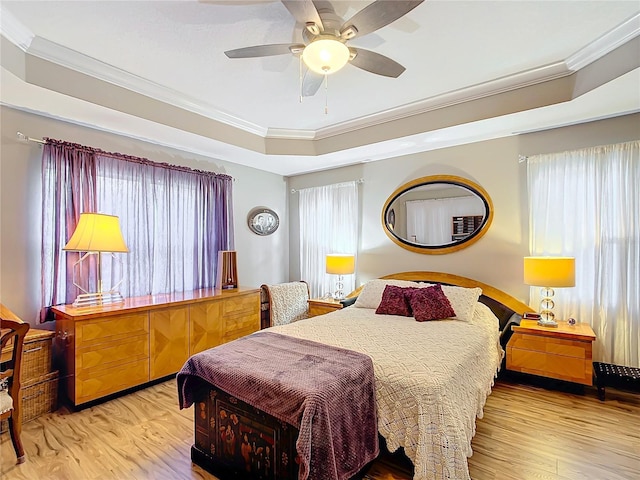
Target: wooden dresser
(104, 350)
(563, 352)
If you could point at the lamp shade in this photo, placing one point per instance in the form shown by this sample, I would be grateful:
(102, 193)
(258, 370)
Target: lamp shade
(97, 232)
(326, 55)
(550, 271)
(341, 264)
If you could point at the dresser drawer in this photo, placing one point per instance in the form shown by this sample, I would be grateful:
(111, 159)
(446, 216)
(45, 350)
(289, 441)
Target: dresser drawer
(98, 384)
(109, 355)
(242, 303)
(241, 322)
(235, 334)
(92, 332)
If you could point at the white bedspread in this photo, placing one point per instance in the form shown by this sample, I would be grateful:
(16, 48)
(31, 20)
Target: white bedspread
(432, 379)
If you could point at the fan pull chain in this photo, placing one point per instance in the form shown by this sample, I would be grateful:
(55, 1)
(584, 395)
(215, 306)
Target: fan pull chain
(326, 94)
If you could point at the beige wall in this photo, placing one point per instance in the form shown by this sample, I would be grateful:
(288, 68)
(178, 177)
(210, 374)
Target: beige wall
(260, 259)
(496, 258)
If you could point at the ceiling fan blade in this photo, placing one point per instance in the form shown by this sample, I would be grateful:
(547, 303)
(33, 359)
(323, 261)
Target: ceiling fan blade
(311, 83)
(375, 63)
(378, 14)
(262, 50)
(304, 11)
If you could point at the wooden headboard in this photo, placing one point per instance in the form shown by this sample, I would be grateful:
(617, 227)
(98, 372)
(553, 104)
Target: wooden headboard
(508, 309)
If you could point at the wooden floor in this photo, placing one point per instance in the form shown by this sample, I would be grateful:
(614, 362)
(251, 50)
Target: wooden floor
(527, 432)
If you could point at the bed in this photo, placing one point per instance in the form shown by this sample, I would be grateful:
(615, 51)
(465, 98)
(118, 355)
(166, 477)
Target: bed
(432, 379)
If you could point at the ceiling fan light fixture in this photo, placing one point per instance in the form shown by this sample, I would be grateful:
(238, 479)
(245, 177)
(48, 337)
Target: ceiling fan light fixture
(326, 55)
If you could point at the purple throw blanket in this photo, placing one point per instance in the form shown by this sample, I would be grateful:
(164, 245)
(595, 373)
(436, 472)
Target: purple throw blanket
(326, 392)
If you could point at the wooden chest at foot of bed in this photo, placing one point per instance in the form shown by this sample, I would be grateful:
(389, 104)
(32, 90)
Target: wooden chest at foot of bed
(235, 440)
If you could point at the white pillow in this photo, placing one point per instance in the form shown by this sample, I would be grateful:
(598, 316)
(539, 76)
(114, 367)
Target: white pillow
(371, 294)
(463, 300)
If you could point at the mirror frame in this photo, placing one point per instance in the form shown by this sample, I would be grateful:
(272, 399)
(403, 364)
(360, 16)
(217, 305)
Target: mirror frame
(448, 248)
(261, 211)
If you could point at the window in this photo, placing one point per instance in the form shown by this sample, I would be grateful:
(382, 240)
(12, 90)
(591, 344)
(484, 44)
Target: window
(328, 224)
(585, 204)
(174, 220)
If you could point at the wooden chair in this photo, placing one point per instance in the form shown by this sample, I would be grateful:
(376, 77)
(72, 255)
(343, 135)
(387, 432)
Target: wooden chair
(13, 333)
(283, 303)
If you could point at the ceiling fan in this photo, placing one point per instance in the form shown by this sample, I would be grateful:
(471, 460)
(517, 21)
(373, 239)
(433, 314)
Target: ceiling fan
(325, 35)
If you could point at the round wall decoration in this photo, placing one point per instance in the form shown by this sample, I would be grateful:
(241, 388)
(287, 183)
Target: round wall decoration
(263, 221)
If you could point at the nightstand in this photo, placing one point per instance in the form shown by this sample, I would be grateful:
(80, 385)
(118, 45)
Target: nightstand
(320, 306)
(562, 352)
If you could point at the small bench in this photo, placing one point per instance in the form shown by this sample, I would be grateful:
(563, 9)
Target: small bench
(617, 376)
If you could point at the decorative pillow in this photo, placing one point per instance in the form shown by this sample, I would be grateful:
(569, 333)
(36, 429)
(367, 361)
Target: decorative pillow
(394, 302)
(463, 300)
(430, 303)
(371, 294)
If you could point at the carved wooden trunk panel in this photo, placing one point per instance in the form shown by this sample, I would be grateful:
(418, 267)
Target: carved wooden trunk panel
(235, 440)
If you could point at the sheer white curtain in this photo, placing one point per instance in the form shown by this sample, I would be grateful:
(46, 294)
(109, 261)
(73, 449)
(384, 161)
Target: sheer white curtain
(430, 221)
(586, 204)
(328, 224)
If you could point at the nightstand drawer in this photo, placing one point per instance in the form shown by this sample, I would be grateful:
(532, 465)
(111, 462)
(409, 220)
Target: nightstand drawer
(561, 355)
(322, 306)
(558, 346)
(556, 366)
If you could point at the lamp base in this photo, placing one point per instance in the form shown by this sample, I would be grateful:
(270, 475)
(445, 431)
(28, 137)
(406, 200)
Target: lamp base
(547, 323)
(98, 299)
(339, 293)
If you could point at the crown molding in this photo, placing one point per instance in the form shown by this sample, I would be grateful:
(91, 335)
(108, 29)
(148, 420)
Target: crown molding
(456, 97)
(577, 122)
(608, 42)
(55, 53)
(14, 31)
(291, 134)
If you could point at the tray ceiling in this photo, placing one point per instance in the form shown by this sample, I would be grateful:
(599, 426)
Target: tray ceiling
(474, 70)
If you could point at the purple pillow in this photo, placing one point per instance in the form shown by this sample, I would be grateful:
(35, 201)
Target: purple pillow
(430, 303)
(394, 302)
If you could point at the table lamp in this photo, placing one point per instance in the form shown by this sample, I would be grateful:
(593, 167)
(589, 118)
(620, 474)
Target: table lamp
(338, 264)
(549, 272)
(95, 234)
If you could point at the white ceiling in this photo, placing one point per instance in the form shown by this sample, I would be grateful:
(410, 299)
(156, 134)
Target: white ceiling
(248, 111)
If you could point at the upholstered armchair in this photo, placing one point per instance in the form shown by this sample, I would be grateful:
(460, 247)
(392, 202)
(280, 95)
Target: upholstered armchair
(284, 303)
(13, 333)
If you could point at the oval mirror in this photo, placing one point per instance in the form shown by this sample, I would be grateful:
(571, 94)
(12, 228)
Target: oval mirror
(437, 214)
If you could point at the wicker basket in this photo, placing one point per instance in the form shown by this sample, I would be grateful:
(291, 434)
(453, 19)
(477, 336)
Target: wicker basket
(36, 355)
(38, 398)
